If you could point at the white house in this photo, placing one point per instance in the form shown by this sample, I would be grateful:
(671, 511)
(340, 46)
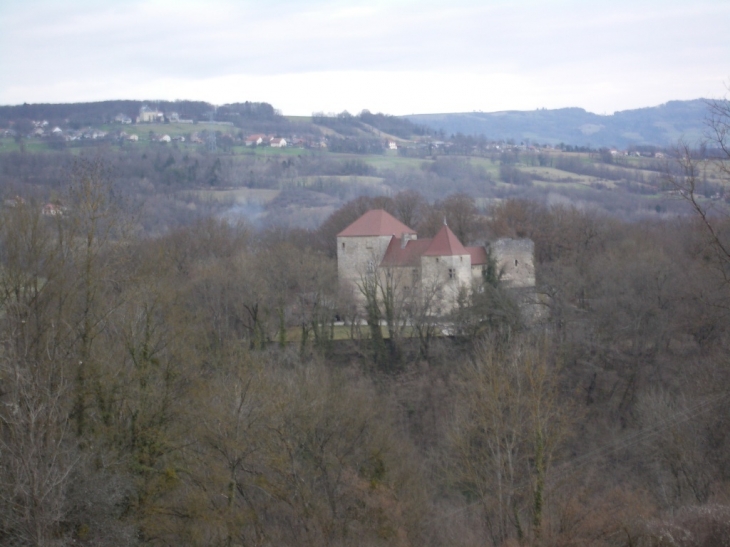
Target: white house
(149, 115)
(252, 140)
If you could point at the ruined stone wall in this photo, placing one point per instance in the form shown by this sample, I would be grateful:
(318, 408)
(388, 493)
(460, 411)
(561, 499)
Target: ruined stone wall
(516, 261)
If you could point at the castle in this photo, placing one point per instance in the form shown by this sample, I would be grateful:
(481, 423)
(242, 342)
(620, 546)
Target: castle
(378, 244)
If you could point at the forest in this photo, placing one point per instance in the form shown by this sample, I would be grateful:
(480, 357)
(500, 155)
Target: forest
(172, 375)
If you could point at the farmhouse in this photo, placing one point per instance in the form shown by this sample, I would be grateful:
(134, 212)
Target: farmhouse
(378, 246)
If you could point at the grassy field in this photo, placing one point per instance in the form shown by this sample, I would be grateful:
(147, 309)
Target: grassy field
(9, 145)
(268, 151)
(315, 179)
(562, 185)
(557, 175)
(387, 161)
(299, 119)
(240, 196)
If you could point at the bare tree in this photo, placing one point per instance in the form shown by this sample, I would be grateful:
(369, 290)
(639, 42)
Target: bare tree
(421, 306)
(409, 207)
(38, 452)
(369, 287)
(691, 168)
(509, 424)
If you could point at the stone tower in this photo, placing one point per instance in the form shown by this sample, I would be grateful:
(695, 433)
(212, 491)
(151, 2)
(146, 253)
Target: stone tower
(362, 245)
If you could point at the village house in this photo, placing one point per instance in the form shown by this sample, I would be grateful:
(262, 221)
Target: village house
(52, 210)
(149, 115)
(377, 244)
(254, 140)
(277, 143)
(16, 201)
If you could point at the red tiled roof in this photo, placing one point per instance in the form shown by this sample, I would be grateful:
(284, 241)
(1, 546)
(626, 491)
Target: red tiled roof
(478, 255)
(445, 243)
(376, 222)
(410, 255)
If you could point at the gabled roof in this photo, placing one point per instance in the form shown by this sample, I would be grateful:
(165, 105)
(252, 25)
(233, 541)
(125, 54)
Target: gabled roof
(410, 255)
(445, 243)
(478, 255)
(376, 222)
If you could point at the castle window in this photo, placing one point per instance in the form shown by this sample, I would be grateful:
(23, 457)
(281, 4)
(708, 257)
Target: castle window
(371, 266)
(414, 276)
(515, 262)
(451, 273)
(343, 245)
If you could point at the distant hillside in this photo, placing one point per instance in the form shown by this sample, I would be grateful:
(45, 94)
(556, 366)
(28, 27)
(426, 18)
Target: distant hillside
(660, 125)
(366, 122)
(83, 114)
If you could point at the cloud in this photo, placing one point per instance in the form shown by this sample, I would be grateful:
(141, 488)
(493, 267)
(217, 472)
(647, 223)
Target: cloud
(416, 53)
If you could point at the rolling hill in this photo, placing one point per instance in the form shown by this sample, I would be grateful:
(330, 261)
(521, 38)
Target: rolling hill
(658, 126)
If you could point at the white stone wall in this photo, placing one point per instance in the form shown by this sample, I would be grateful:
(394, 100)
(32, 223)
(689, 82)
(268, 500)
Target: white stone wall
(435, 272)
(516, 260)
(355, 255)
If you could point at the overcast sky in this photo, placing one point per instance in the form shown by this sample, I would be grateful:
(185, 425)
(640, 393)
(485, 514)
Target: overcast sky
(395, 56)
